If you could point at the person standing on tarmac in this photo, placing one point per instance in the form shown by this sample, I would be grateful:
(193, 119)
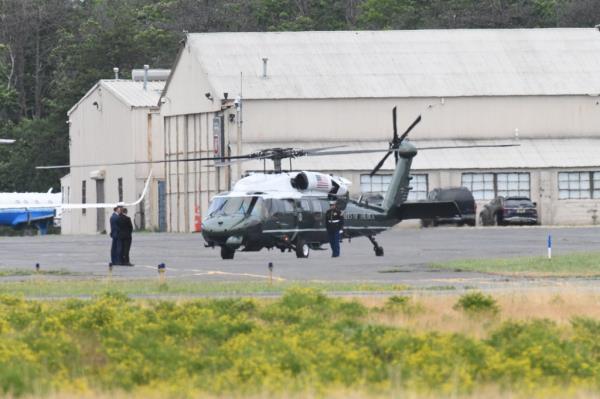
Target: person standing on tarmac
(125, 231)
(334, 222)
(115, 248)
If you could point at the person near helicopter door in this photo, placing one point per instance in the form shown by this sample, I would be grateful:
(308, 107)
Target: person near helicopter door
(334, 222)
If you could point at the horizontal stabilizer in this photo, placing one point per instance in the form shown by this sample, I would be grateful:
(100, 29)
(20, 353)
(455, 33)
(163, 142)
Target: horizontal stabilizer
(426, 210)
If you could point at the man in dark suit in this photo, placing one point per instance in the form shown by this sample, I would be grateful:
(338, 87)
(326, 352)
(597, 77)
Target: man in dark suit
(125, 231)
(115, 248)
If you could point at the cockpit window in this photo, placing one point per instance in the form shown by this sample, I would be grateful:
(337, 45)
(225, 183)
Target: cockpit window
(235, 206)
(258, 208)
(216, 204)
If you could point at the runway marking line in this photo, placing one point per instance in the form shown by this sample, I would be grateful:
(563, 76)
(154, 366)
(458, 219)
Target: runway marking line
(216, 272)
(197, 272)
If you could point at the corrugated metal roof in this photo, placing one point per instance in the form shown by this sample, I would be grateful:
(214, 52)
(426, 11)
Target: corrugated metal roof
(130, 92)
(421, 63)
(531, 154)
(133, 93)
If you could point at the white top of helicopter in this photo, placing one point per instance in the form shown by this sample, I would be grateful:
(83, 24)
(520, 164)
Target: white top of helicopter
(279, 185)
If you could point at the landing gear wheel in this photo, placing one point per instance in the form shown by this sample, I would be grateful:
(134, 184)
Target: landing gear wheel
(227, 253)
(302, 248)
(378, 250)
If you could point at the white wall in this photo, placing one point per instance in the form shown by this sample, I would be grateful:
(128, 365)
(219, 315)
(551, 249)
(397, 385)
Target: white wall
(461, 117)
(108, 133)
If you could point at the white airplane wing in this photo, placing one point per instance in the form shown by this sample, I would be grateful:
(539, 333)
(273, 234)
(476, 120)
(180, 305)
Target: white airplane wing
(112, 204)
(6, 141)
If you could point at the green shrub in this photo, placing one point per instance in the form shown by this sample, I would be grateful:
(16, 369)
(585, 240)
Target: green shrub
(477, 303)
(303, 343)
(402, 304)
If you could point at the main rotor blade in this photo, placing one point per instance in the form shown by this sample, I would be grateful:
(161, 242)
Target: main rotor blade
(380, 164)
(311, 150)
(409, 129)
(92, 165)
(449, 147)
(6, 141)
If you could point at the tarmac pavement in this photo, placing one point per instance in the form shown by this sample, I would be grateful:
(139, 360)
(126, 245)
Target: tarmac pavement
(409, 253)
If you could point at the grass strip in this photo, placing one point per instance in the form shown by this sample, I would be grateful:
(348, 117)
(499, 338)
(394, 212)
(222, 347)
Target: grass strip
(27, 272)
(39, 287)
(572, 265)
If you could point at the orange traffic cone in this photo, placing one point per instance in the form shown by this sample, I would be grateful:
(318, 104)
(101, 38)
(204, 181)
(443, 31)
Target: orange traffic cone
(197, 220)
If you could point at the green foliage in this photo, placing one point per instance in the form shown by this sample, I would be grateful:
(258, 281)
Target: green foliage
(574, 264)
(304, 342)
(402, 304)
(477, 303)
(53, 51)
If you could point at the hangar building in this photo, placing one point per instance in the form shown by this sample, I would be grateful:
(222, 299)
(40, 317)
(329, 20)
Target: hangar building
(539, 87)
(117, 121)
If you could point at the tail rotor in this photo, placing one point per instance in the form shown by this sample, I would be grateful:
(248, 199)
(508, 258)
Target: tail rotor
(396, 142)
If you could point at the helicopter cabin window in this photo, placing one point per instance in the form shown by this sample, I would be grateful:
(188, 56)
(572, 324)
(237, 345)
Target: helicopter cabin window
(258, 208)
(279, 206)
(305, 205)
(316, 206)
(288, 205)
(578, 185)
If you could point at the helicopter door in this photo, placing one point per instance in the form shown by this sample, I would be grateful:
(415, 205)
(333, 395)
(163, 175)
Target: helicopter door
(283, 215)
(306, 219)
(318, 217)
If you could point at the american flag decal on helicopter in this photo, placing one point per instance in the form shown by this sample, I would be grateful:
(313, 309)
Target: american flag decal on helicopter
(322, 182)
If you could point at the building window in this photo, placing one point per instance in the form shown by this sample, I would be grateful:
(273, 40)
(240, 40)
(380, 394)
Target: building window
(380, 184)
(480, 184)
(375, 183)
(578, 185)
(512, 184)
(83, 194)
(120, 185)
(419, 186)
(486, 186)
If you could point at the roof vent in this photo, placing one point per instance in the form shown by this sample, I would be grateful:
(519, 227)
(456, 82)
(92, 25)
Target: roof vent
(146, 67)
(265, 60)
(116, 71)
(137, 75)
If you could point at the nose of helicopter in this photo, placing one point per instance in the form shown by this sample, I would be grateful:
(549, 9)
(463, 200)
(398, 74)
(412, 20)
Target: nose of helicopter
(218, 229)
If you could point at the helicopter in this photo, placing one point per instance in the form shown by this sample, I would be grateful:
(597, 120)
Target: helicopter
(286, 210)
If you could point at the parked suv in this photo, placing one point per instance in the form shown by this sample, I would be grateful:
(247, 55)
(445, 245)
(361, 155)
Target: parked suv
(510, 210)
(464, 201)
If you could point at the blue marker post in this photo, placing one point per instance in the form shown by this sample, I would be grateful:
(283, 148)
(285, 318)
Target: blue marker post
(549, 247)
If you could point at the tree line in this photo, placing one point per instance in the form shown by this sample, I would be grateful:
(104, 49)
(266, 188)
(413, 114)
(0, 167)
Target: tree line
(53, 51)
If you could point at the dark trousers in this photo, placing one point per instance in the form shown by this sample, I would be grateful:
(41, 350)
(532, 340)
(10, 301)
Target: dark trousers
(334, 241)
(126, 246)
(116, 250)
